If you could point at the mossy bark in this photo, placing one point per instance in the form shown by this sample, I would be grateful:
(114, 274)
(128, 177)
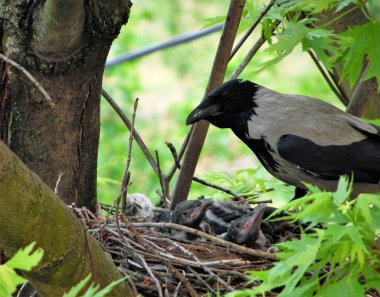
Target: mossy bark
(64, 44)
(30, 211)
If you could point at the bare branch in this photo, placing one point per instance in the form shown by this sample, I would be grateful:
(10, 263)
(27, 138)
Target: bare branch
(227, 244)
(327, 78)
(29, 76)
(208, 184)
(252, 28)
(259, 43)
(180, 155)
(138, 138)
(197, 138)
(127, 175)
(361, 95)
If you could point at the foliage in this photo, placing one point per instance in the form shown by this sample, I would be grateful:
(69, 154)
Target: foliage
(93, 290)
(25, 259)
(300, 25)
(253, 184)
(338, 258)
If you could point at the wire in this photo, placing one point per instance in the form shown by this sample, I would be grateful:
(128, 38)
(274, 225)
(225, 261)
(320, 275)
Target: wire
(160, 46)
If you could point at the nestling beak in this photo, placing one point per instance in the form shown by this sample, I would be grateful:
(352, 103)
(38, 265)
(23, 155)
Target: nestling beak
(202, 112)
(252, 225)
(201, 209)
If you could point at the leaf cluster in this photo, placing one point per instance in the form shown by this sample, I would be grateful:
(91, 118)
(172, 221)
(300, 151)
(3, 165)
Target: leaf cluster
(295, 22)
(335, 256)
(25, 259)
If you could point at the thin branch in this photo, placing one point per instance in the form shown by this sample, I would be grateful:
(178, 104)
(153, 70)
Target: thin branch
(360, 96)
(259, 43)
(180, 155)
(161, 178)
(127, 174)
(156, 281)
(225, 190)
(327, 78)
(252, 28)
(205, 268)
(174, 154)
(230, 245)
(30, 77)
(138, 139)
(198, 136)
(169, 265)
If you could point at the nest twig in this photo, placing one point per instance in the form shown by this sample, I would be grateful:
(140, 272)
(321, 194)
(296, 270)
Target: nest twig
(158, 264)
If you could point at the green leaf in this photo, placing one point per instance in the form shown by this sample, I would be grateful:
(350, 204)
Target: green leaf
(343, 288)
(93, 290)
(9, 281)
(373, 7)
(74, 291)
(109, 288)
(343, 191)
(213, 21)
(343, 4)
(361, 41)
(308, 5)
(25, 259)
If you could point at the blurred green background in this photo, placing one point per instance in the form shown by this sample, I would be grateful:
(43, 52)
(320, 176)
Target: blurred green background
(170, 83)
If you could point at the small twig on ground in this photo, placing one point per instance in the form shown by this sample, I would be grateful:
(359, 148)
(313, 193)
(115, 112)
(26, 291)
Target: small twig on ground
(57, 183)
(208, 184)
(252, 28)
(29, 76)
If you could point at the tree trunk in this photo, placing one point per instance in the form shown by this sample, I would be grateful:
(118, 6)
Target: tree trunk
(29, 211)
(64, 45)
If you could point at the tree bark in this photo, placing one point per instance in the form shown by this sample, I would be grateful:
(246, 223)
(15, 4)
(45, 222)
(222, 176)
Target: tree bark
(64, 44)
(29, 211)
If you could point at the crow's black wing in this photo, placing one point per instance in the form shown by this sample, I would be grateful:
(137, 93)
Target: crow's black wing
(361, 158)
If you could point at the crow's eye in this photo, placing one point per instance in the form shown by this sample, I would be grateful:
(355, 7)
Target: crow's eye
(238, 225)
(185, 213)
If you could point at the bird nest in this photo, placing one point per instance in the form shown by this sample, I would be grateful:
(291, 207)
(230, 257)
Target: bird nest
(158, 264)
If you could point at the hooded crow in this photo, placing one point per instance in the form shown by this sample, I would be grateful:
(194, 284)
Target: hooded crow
(296, 138)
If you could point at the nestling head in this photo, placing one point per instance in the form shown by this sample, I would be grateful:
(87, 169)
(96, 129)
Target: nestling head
(247, 227)
(225, 103)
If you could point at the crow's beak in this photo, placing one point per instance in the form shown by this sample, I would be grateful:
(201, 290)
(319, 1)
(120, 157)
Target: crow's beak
(252, 225)
(200, 113)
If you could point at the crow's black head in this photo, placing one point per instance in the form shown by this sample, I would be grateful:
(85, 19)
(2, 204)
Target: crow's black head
(224, 104)
(190, 213)
(246, 229)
